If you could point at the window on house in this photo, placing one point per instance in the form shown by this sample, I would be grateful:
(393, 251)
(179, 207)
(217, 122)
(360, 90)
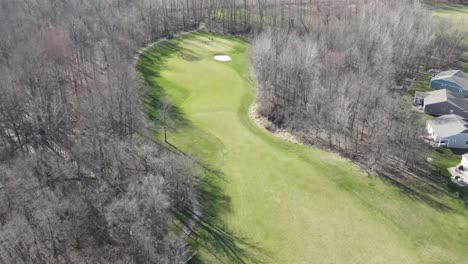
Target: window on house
(466, 143)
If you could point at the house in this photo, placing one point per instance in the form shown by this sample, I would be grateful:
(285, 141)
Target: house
(460, 172)
(455, 81)
(442, 102)
(448, 131)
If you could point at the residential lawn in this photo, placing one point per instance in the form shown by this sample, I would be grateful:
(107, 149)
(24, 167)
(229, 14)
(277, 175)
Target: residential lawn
(445, 158)
(422, 84)
(297, 204)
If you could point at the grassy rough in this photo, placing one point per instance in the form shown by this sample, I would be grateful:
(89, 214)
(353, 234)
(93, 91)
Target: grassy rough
(299, 204)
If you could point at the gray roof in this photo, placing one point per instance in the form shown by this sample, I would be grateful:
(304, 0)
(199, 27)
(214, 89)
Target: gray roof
(449, 125)
(454, 76)
(444, 95)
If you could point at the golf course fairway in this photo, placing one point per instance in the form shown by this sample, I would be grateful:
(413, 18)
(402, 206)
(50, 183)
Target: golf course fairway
(296, 204)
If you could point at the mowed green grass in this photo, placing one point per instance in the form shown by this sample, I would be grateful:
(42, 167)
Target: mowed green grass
(299, 204)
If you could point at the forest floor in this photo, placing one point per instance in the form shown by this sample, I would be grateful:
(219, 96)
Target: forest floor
(285, 202)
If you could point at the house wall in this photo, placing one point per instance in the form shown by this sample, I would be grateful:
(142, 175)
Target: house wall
(430, 131)
(457, 141)
(464, 162)
(418, 99)
(451, 86)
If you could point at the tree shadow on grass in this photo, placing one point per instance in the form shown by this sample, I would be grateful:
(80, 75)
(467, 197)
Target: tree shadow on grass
(210, 233)
(149, 65)
(416, 194)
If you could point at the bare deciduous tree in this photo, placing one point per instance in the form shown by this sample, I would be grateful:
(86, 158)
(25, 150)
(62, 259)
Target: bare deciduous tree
(336, 77)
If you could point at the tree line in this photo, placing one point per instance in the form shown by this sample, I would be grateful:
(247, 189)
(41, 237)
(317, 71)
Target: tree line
(337, 76)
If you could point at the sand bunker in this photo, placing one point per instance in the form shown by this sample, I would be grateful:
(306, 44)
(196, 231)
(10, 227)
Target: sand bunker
(222, 57)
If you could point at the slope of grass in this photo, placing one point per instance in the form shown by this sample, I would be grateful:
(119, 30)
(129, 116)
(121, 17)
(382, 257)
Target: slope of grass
(297, 204)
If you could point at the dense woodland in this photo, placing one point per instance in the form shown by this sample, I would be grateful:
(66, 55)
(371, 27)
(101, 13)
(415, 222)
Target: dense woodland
(338, 77)
(82, 181)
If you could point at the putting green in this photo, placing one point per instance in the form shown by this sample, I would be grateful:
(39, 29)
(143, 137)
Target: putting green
(299, 204)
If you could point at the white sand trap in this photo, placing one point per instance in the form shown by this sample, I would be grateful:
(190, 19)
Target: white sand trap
(221, 57)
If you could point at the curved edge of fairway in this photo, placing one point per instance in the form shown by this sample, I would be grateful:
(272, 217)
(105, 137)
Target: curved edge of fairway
(322, 208)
